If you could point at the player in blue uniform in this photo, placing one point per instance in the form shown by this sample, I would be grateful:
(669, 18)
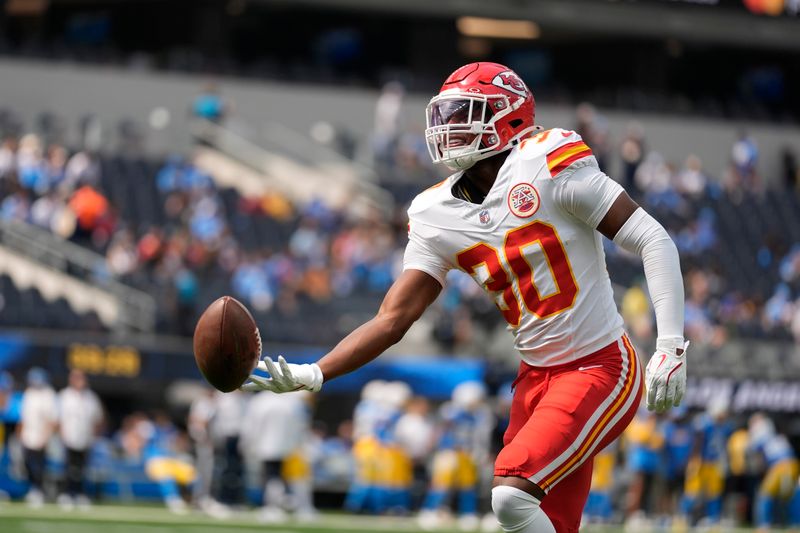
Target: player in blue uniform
(678, 446)
(466, 425)
(778, 490)
(705, 473)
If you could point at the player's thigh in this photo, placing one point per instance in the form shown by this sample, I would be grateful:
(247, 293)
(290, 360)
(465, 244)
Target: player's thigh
(779, 480)
(444, 467)
(295, 467)
(713, 479)
(694, 483)
(580, 413)
(467, 473)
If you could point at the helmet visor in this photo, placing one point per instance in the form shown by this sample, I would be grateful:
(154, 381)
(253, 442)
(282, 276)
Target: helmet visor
(458, 111)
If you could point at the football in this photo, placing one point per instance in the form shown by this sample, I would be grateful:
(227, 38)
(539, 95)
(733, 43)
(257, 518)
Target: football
(227, 344)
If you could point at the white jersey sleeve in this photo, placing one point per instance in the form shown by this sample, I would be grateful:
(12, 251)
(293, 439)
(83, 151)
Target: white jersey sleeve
(586, 192)
(420, 255)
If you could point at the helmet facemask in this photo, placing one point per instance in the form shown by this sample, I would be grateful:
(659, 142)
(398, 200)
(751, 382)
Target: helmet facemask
(461, 128)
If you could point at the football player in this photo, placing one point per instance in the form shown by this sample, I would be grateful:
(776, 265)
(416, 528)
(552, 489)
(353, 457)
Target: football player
(705, 471)
(779, 492)
(524, 214)
(466, 423)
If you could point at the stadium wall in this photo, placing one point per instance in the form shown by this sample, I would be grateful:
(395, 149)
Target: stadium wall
(73, 91)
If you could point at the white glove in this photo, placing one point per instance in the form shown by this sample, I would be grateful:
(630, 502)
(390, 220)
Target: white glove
(665, 376)
(285, 377)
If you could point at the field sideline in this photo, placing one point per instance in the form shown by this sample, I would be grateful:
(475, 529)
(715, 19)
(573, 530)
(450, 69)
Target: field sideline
(17, 518)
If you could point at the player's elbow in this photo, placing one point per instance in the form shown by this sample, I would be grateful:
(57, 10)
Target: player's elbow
(660, 240)
(396, 324)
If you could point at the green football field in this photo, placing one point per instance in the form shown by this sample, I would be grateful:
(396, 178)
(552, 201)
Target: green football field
(17, 518)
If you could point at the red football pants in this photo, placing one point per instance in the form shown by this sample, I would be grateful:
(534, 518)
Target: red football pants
(561, 417)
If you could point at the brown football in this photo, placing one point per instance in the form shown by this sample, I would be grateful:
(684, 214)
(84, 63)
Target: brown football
(226, 344)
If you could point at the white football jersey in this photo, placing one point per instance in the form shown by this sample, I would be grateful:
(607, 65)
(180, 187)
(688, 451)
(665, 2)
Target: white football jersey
(531, 244)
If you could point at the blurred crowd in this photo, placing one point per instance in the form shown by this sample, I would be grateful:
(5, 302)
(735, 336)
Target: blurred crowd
(167, 228)
(397, 454)
(269, 252)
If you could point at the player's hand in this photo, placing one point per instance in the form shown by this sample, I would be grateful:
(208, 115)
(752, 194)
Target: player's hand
(665, 376)
(285, 377)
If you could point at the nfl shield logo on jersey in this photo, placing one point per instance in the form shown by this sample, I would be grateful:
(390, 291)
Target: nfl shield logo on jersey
(483, 216)
(523, 200)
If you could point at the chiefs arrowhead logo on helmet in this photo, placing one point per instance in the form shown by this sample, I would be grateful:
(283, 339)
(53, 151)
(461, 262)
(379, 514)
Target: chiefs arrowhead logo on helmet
(510, 82)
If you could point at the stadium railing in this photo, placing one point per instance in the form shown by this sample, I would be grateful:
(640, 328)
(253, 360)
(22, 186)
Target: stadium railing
(137, 308)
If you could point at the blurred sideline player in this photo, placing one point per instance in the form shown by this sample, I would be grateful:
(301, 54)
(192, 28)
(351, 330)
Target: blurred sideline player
(38, 422)
(643, 445)
(394, 468)
(168, 463)
(366, 448)
(383, 475)
(275, 430)
(678, 447)
(741, 478)
(80, 417)
(199, 425)
(524, 215)
(466, 425)
(778, 492)
(599, 507)
(415, 432)
(705, 473)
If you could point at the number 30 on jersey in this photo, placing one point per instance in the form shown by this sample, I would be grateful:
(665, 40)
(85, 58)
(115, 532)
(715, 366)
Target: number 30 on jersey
(500, 282)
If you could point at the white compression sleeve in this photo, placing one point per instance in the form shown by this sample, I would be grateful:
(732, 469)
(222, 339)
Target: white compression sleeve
(643, 235)
(519, 512)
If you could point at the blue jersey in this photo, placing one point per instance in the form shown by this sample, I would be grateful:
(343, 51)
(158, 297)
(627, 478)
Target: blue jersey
(369, 417)
(458, 427)
(465, 430)
(678, 446)
(386, 425)
(713, 437)
(161, 443)
(775, 448)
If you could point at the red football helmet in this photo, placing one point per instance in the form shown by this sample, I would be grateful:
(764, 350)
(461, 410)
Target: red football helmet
(481, 110)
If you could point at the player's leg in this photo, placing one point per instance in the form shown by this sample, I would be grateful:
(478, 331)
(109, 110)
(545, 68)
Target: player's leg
(358, 493)
(274, 492)
(573, 412)
(598, 505)
(34, 468)
(794, 508)
(764, 507)
(565, 501)
(296, 473)
(443, 475)
(691, 489)
(714, 486)
(793, 494)
(163, 471)
(467, 485)
(399, 494)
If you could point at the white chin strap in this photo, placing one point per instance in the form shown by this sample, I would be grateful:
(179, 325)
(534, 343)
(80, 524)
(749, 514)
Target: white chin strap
(461, 162)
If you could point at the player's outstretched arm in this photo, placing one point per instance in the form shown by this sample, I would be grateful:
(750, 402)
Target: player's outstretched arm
(403, 304)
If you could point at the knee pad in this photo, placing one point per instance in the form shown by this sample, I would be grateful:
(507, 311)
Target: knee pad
(518, 511)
